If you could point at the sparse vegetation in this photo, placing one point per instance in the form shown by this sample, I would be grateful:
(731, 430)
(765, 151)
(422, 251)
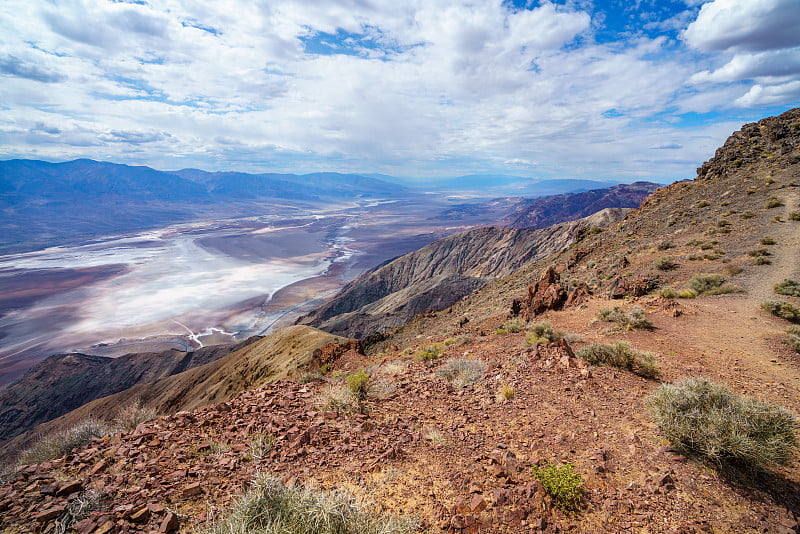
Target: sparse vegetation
(762, 260)
(622, 356)
(78, 509)
(732, 270)
(132, 415)
(58, 444)
(271, 507)
(505, 393)
(784, 310)
(767, 240)
(667, 293)
(632, 319)
(514, 325)
(788, 287)
(747, 215)
(260, 445)
(665, 263)
(542, 332)
(359, 383)
(686, 294)
(704, 418)
(338, 398)
(429, 352)
(461, 372)
(665, 245)
(774, 202)
(562, 483)
(707, 284)
(794, 216)
(758, 252)
(702, 204)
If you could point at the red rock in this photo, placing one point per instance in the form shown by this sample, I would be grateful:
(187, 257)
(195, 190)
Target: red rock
(69, 488)
(105, 528)
(50, 513)
(85, 526)
(477, 504)
(169, 524)
(192, 489)
(141, 515)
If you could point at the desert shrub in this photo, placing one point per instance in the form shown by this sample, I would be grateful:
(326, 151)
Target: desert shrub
(632, 319)
(793, 337)
(708, 419)
(758, 252)
(702, 204)
(686, 294)
(788, 287)
(542, 332)
(358, 383)
(78, 509)
(395, 367)
(132, 415)
(514, 325)
(260, 445)
(430, 352)
(665, 245)
(500, 332)
(732, 270)
(61, 443)
(270, 507)
(762, 260)
(504, 393)
(667, 293)
(461, 372)
(622, 356)
(774, 202)
(562, 483)
(767, 240)
(338, 398)
(784, 310)
(722, 223)
(747, 215)
(665, 263)
(703, 282)
(794, 216)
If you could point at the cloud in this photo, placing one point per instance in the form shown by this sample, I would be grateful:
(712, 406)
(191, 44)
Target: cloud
(760, 95)
(747, 66)
(13, 66)
(133, 138)
(44, 128)
(745, 25)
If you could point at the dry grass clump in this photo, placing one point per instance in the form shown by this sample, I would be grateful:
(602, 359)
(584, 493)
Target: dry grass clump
(61, 443)
(622, 356)
(132, 415)
(270, 507)
(793, 337)
(708, 419)
(632, 319)
(79, 509)
(395, 367)
(767, 240)
(788, 287)
(514, 325)
(794, 216)
(784, 310)
(461, 372)
(774, 202)
(429, 353)
(542, 332)
(338, 398)
(505, 393)
(665, 263)
(260, 445)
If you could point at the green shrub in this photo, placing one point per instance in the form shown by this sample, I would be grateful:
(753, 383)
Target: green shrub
(774, 202)
(514, 325)
(270, 507)
(461, 372)
(703, 282)
(542, 332)
(430, 352)
(358, 383)
(504, 393)
(667, 293)
(784, 310)
(562, 483)
(708, 419)
(686, 294)
(61, 443)
(622, 356)
(665, 263)
(788, 287)
(632, 319)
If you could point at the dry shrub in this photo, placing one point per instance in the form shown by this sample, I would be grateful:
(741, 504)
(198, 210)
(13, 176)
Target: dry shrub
(621, 356)
(61, 443)
(632, 319)
(707, 419)
(784, 310)
(461, 372)
(132, 415)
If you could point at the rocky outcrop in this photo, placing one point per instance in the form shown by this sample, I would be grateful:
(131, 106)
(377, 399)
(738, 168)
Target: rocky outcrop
(773, 138)
(64, 382)
(440, 274)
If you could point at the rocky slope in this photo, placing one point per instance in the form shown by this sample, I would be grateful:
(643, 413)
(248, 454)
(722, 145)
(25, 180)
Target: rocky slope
(438, 275)
(64, 382)
(287, 353)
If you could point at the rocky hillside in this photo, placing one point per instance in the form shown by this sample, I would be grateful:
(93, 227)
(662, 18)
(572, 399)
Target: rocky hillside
(438, 275)
(287, 353)
(547, 211)
(462, 417)
(64, 382)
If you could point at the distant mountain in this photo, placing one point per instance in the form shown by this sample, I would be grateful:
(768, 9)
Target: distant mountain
(485, 185)
(440, 274)
(46, 203)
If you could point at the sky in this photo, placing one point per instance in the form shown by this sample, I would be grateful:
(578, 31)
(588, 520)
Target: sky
(598, 89)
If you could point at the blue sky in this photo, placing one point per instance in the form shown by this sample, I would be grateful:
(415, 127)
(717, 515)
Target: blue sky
(616, 89)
